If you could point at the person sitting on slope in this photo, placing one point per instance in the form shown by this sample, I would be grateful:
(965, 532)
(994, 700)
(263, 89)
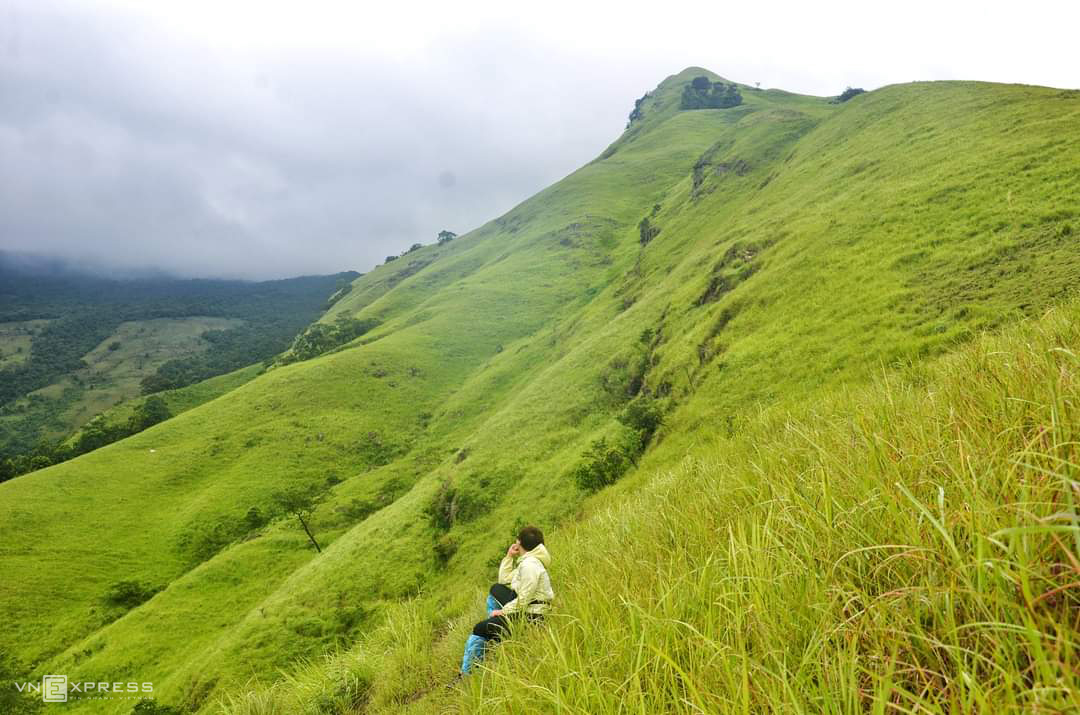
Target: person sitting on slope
(523, 592)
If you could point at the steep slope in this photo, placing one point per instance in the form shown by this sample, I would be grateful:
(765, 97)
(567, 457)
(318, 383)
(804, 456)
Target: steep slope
(909, 546)
(807, 275)
(801, 244)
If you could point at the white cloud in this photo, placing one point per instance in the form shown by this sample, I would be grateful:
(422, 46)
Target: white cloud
(260, 138)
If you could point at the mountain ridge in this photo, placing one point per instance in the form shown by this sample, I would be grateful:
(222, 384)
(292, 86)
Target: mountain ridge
(800, 246)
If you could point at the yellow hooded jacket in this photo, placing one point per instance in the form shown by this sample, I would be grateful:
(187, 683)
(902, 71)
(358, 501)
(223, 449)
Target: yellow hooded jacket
(529, 580)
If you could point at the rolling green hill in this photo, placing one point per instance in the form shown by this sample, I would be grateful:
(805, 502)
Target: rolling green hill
(793, 247)
(73, 345)
(179, 400)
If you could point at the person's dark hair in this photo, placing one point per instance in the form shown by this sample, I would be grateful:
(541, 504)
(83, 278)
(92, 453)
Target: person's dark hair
(530, 537)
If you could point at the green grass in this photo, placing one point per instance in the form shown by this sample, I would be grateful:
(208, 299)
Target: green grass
(181, 399)
(112, 376)
(909, 546)
(817, 246)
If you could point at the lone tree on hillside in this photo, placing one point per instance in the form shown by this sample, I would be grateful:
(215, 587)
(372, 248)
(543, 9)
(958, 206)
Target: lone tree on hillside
(446, 236)
(637, 112)
(301, 503)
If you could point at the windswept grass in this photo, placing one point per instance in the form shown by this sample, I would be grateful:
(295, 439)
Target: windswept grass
(911, 547)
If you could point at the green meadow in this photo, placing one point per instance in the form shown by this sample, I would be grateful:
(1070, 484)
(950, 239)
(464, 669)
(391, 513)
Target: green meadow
(860, 498)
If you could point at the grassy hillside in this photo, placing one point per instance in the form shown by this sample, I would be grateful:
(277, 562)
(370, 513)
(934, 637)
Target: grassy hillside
(113, 374)
(181, 399)
(802, 246)
(910, 545)
(74, 345)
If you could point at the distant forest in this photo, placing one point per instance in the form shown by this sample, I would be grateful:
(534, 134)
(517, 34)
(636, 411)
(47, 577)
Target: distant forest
(85, 310)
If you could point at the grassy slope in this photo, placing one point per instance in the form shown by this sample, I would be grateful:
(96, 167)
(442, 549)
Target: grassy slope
(495, 348)
(851, 274)
(181, 399)
(112, 376)
(911, 546)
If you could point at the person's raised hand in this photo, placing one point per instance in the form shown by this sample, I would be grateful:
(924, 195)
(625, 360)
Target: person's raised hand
(514, 550)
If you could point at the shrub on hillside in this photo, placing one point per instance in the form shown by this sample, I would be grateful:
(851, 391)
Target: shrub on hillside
(255, 519)
(129, 593)
(148, 414)
(322, 337)
(644, 416)
(601, 465)
(469, 498)
(445, 548)
(703, 93)
(847, 94)
(625, 376)
(157, 382)
(201, 542)
(441, 510)
(647, 231)
(701, 84)
(637, 112)
(98, 433)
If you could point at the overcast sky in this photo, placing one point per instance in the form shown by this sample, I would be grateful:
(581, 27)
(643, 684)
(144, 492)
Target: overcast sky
(260, 139)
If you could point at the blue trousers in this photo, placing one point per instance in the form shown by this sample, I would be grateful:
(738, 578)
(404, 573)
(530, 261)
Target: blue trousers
(477, 644)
